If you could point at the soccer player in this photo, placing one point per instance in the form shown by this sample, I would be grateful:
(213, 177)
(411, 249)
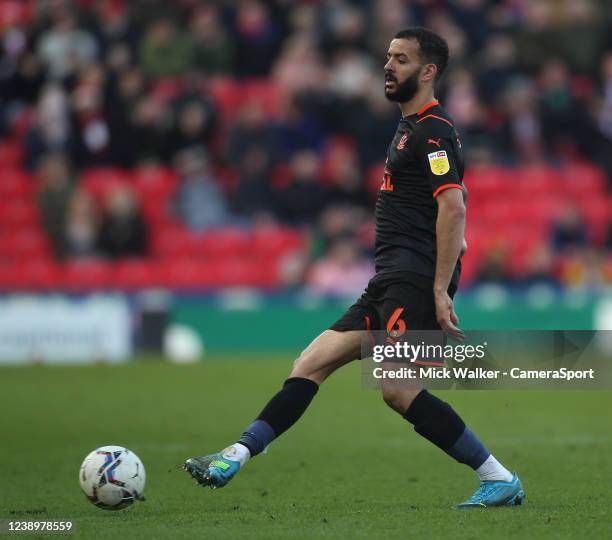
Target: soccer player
(420, 220)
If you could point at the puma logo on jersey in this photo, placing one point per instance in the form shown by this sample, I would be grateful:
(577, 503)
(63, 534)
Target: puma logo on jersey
(402, 142)
(434, 141)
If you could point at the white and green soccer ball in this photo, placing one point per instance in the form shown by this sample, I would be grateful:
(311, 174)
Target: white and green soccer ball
(112, 477)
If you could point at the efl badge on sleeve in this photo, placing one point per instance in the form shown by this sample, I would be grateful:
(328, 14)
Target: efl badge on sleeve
(438, 161)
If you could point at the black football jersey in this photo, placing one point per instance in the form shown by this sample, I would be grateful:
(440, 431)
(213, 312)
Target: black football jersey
(424, 158)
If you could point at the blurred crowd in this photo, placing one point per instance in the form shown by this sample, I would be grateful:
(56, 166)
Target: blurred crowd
(115, 83)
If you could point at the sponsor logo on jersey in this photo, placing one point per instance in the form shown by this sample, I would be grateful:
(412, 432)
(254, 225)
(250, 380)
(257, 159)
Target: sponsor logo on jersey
(438, 162)
(434, 141)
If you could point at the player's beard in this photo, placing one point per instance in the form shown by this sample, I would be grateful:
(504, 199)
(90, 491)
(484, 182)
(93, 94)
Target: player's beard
(404, 91)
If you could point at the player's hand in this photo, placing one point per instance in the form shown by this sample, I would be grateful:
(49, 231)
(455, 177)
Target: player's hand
(446, 316)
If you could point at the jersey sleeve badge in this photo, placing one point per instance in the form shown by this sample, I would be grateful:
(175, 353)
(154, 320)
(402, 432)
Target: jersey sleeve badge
(438, 162)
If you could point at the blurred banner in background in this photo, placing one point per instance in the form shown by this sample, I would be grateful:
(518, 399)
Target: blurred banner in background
(59, 330)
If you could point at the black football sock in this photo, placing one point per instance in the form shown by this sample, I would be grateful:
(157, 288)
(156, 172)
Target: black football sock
(436, 420)
(281, 412)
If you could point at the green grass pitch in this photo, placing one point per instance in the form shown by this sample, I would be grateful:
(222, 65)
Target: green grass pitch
(351, 468)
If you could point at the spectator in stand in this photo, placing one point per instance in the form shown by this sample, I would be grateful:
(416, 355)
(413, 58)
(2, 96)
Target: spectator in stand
(199, 203)
(467, 110)
(254, 192)
(123, 97)
(346, 185)
(251, 130)
(388, 16)
(123, 232)
(81, 227)
(213, 48)
(441, 22)
(193, 127)
(540, 268)
(344, 28)
(65, 47)
(55, 192)
(581, 33)
(374, 127)
(149, 125)
(259, 34)
(301, 202)
(91, 125)
(343, 271)
(472, 17)
(299, 67)
(164, 51)
(51, 130)
(535, 37)
(569, 231)
(303, 20)
(337, 222)
(583, 269)
(520, 130)
(494, 268)
(114, 27)
(296, 129)
(498, 68)
(351, 72)
(21, 76)
(565, 121)
(605, 106)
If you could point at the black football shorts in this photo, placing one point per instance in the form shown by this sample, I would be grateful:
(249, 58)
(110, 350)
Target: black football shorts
(392, 302)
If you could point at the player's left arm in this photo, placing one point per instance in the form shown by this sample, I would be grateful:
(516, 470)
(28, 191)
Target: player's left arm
(437, 146)
(450, 228)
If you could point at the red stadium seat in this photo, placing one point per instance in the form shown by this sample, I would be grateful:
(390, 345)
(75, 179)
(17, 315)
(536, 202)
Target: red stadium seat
(19, 214)
(167, 88)
(176, 241)
(227, 95)
(265, 92)
(11, 153)
(16, 12)
(582, 180)
(39, 275)
(153, 180)
(192, 274)
(156, 211)
(98, 181)
(226, 242)
(84, 275)
(271, 241)
(16, 183)
(139, 274)
(26, 244)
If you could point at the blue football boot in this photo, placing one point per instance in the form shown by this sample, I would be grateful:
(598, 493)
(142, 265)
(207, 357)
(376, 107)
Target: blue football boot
(496, 493)
(213, 470)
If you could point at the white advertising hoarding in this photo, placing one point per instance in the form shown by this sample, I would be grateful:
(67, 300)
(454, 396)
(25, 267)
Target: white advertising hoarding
(63, 330)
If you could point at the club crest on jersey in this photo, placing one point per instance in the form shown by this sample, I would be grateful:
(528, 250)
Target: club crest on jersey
(402, 142)
(438, 162)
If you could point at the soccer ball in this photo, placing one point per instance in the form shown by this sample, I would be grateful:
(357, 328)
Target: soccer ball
(112, 477)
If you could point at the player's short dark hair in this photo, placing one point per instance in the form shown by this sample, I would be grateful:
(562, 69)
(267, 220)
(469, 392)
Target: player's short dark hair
(433, 48)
